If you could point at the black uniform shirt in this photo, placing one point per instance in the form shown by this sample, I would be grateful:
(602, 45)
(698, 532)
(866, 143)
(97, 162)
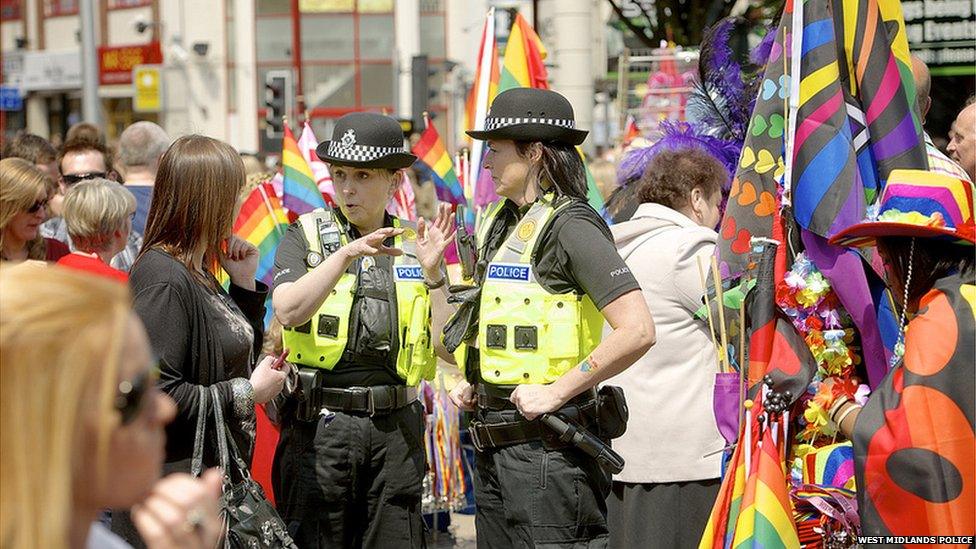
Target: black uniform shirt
(367, 360)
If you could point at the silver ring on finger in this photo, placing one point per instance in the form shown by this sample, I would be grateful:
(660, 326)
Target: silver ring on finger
(194, 522)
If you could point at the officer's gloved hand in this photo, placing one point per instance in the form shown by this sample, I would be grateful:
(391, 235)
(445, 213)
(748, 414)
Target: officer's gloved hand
(463, 324)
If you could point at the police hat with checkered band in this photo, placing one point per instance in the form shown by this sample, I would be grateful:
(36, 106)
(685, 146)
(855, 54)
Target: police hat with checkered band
(366, 140)
(528, 114)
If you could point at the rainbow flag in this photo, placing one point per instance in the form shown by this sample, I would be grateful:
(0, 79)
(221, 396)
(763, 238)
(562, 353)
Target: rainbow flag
(300, 194)
(482, 94)
(725, 511)
(431, 151)
(262, 222)
(766, 515)
(307, 143)
(523, 66)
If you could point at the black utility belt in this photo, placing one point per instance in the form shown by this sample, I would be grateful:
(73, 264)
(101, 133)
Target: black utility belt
(496, 397)
(604, 412)
(378, 400)
(485, 436)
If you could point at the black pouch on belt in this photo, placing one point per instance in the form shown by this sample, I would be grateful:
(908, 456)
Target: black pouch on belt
(612, 413)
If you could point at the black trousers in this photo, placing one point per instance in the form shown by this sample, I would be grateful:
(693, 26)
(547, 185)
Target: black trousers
(531, 496)
(353, 481)
(666, 515)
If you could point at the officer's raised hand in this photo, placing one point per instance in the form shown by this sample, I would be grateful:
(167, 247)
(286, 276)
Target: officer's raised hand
(533, 400)
(372, 244)
(432, 239)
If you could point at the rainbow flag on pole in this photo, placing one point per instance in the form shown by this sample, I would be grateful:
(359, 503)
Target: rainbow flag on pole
(431, 151)
(766, 516)
(484, 91)
(523, 66)
(262, 222)
(300, 194)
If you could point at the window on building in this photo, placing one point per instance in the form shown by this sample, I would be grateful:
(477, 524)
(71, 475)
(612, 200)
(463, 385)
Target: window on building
(123, 4)
(10, 10)
(347, 52)
(54, 8)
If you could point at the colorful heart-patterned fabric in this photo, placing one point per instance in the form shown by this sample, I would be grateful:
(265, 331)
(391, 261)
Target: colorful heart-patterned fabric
(753, 196)
(914, 448)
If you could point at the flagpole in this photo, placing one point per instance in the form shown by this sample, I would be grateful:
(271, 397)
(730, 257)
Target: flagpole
(481, 99)
(720, 296)
(267, 204)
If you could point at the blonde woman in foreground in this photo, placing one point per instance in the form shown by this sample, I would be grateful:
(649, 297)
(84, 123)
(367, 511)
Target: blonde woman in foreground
(81, 421)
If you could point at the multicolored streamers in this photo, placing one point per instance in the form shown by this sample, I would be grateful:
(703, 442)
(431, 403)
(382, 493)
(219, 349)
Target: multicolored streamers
(827, 192)
(444, 486)
(876, 67)
(300, 194)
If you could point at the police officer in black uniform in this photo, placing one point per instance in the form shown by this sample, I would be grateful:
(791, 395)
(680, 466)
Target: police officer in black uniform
(355, 288)
(549, 275)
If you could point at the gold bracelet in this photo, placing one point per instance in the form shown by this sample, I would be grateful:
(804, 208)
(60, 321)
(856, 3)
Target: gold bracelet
(847, 411)
(836, 405)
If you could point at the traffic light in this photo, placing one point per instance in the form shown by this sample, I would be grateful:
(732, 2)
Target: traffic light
(278, 94)
(421, 93)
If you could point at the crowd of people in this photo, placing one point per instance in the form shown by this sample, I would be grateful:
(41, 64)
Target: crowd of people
(103, 355)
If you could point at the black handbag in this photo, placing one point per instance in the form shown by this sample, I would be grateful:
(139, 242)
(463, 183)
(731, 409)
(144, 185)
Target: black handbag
(250, 521)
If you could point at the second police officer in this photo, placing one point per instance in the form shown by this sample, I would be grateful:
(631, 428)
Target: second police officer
(549, 275)
(354, 289)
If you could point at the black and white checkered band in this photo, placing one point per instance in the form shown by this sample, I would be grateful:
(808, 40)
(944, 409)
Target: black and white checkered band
(360, 153)
(493, 123)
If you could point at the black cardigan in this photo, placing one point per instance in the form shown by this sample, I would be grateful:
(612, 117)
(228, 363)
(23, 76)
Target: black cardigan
(170, 302)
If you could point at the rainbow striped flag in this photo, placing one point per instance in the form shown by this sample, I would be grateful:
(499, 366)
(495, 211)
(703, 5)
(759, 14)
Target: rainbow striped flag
(262, 222)
(482, 94)
(523, 66)
(766, 515)
(431, 151)
(300, 194)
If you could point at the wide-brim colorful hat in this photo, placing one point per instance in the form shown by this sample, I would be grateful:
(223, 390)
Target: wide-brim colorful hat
(530, 114)
(366, 140)
(917, 203)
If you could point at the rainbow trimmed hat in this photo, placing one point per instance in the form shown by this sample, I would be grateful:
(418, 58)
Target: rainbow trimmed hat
(921, 204)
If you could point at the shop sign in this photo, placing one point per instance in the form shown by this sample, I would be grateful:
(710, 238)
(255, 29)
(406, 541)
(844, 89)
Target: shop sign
(115, 63)
(13, 67)
(10, 99)
(942, 32)
(44, 70)
(147, 80)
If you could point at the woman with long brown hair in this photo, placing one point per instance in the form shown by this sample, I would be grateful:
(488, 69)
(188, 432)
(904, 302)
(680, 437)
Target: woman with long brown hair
(24, 195)
(202, 334)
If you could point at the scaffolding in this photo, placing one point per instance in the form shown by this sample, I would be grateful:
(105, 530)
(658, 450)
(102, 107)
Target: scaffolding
(653, 85)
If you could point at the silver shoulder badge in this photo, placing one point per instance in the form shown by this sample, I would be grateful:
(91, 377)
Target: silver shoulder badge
(313, 259)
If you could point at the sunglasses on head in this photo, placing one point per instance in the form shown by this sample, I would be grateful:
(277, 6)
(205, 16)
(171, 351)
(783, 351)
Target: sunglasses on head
(38, 205)
(131, 394)
(75, 178)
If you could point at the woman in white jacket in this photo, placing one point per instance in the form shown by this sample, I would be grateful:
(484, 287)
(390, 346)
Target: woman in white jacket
(663, 496)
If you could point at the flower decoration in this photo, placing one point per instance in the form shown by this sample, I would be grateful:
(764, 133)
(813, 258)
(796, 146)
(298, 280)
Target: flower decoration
(810, 303)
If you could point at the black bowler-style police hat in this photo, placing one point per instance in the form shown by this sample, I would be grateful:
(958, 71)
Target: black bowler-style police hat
(529, 114)
(366, 140)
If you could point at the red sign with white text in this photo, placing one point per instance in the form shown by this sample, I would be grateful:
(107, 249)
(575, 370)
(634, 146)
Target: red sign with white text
(115, 63)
